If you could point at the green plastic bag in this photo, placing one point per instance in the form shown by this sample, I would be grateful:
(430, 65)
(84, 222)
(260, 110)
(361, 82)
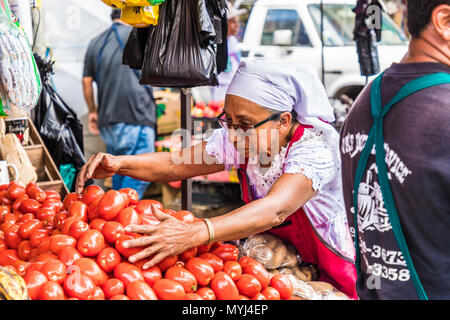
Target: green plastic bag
(68, 173)
(20, 82)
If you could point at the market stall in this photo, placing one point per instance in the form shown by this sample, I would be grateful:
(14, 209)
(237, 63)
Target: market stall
(57, 245)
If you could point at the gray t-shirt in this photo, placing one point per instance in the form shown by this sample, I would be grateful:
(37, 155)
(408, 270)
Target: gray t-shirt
(417, 137)
(120, 96)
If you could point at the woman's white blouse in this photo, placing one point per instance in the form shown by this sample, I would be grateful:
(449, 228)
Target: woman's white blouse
(317, 159)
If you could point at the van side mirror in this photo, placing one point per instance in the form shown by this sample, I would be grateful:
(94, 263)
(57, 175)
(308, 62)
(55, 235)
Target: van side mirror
(282, 37)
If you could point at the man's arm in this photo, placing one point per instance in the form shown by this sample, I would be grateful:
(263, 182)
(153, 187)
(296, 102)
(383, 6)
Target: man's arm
(88, 91)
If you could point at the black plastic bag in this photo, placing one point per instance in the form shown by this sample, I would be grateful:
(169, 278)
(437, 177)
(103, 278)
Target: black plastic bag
(57, 123)
(181, 49)
(134, 51)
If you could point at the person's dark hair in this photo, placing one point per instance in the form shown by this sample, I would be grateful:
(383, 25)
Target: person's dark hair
(419, 14)
(115, 14)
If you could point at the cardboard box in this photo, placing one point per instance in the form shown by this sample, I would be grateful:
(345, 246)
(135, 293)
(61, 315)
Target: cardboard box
(171, 120)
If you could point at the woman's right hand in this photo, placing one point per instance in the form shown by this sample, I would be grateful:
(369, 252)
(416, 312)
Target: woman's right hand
(99, 166)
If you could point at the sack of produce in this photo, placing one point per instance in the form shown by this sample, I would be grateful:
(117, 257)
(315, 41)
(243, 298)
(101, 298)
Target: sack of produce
(272, 252)
(12, 286)
(20, 82)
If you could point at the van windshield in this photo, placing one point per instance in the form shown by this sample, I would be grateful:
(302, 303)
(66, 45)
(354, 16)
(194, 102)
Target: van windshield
(339, 23)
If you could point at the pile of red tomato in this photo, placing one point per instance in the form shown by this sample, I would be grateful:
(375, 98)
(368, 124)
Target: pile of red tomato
(73, 249)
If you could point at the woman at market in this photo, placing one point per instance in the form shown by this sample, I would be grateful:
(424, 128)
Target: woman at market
(275, 133)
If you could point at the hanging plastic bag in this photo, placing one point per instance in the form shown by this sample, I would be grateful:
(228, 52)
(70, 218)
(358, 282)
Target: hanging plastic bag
(174, 55)
(59, 127)
(140, 17)
(20, 82)
(119, 4)
(134, 51)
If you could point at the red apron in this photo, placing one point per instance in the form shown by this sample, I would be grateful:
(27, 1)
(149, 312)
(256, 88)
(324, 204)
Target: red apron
(297, 230)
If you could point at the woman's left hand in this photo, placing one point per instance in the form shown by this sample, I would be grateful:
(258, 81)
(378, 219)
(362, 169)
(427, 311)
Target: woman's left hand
(169, 238)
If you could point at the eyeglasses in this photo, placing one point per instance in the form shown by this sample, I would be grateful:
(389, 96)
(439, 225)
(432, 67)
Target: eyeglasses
(226, 124)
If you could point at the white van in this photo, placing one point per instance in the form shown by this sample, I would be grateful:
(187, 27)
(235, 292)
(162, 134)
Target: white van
(290, 29)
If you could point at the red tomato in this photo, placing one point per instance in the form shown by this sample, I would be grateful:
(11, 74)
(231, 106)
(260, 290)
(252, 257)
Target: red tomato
(152, 275)
(91, 243)
(4, 187)
(4, 210)
(193, 296)
(98, 294)
(112, 231)
(224, 287)
(55, 271)
(248, 285)
(93, 210)
(34, 281)
(126, 252)
(241, 297)
(46, 256)
(69, 255)
(227, 252)
(78, 228)
(45, 245)
(21, 267)
(167, 263)
(37, 236)
(35, 192)
(111, 204)
(18, 202)
(120, 297)
(16, 191)
(113, 287)
(167, 289)
(149, 202)
(9, 218)
(69, 199)
(91, 193)
(284, 286)
(202, 270)
(139, 290)
(25, 217)
(28, 227)
(45, 214)
(127, 273)
(35, 266)
(204, 249)
(3, 245)
(108, 259)
(132, 195)
(78, 285)
(214, 260)
(259, 272)
(271, 293)
(51, 291)
(8, 257)
(185, 216)
(79, 209)
(129, 216)
(53, 204)
(29, 206)
(50, 194)
(90, 268)
(59, 242)
(24, 250)
(183, 276)
(233, 269)
(97, 224)
(206, 293)
(259, 296)
(185, 256)
(12, 237)
(59, 220)
(67, 224)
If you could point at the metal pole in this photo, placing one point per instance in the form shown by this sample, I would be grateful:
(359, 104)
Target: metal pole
(186, 124)
(323, 45)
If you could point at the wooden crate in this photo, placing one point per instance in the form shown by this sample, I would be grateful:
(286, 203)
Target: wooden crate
(48, 174)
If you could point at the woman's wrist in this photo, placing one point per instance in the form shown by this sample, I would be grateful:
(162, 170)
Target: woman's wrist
(201, 236)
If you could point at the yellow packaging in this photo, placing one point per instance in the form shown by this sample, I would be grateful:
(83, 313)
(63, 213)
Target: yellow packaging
(136, 3)
(140, 17)
(119, 4)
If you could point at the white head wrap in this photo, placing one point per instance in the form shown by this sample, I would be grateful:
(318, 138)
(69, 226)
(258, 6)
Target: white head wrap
(285, 86)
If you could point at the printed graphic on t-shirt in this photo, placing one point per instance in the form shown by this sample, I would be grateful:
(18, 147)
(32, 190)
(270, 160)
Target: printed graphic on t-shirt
(381, 258)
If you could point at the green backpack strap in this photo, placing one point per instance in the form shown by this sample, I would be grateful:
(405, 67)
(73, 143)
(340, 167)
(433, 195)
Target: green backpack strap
(376, 138)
